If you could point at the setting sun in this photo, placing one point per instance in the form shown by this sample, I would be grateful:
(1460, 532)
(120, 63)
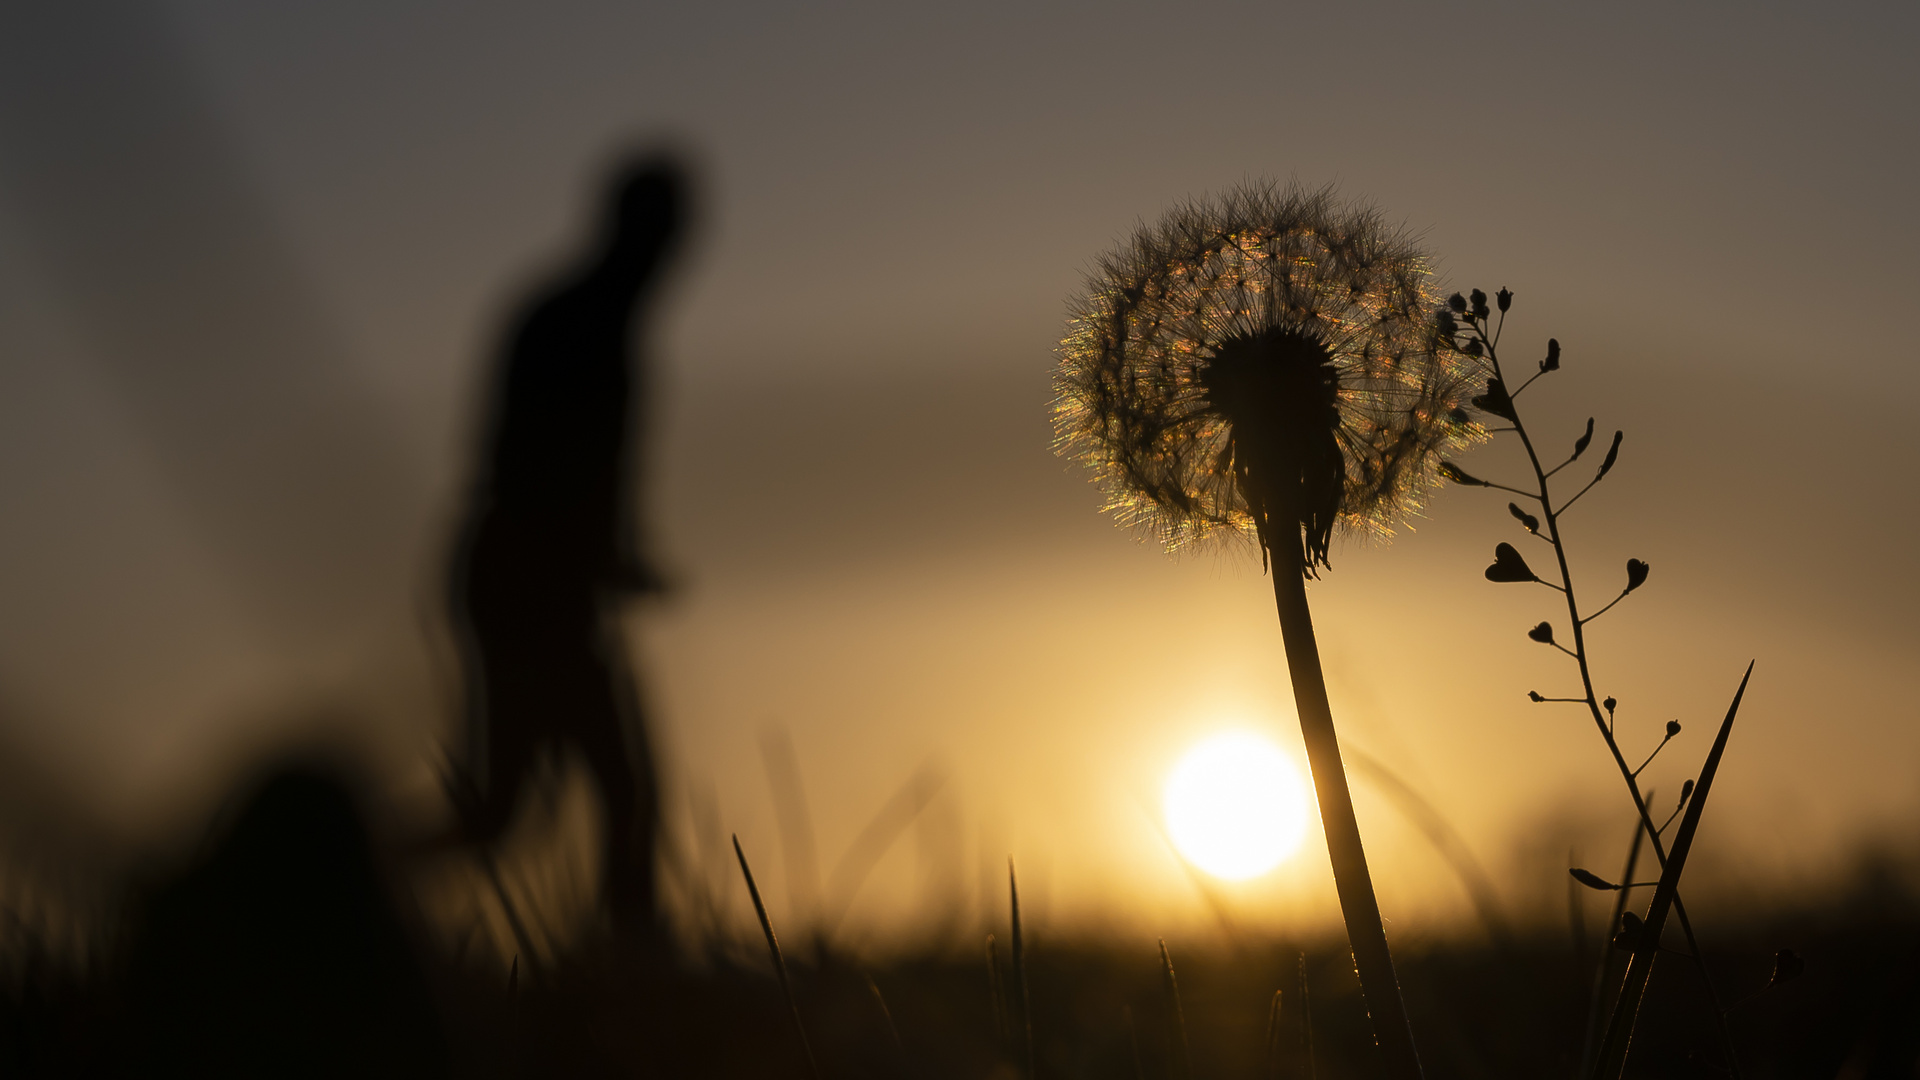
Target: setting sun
(1235, 806)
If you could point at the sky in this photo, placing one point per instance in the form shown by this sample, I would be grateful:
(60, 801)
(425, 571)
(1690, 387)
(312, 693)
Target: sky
(254, 260)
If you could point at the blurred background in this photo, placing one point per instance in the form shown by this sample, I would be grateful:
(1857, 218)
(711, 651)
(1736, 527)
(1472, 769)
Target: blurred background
(255, 259)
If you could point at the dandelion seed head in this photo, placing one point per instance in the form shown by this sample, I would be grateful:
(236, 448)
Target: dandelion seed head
(1268, 360)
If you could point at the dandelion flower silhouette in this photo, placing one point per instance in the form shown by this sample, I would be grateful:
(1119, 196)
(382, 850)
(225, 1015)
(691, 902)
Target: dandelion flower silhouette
(1275, 363)
(1266, 359)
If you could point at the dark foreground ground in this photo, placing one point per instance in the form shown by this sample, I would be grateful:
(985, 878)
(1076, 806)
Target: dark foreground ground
(1098, 1010)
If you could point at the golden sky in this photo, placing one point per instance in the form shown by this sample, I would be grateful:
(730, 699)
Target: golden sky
(322, 216)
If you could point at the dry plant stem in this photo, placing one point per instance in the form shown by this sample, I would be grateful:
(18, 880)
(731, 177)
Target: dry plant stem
(1592, 700)
(779, 961)
(1646, 949)
(1372, 960)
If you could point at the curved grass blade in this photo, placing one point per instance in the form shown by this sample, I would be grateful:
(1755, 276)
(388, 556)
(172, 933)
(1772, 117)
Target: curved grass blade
(1626, 1011)
(779, 962)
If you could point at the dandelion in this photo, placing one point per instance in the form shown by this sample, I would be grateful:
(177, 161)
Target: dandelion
(1275, 365)
(1266, 360)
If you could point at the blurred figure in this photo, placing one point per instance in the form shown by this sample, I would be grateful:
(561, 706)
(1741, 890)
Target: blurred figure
(280, 953)
(549, 546)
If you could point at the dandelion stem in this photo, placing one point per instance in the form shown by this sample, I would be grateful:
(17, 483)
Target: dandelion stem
(1360, 908)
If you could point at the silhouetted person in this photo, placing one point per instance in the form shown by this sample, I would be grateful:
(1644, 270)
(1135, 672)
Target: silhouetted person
(549, 545)
(279, 954)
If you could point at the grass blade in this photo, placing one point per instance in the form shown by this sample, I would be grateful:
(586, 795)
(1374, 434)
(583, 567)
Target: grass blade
(1306, 1019)
(1133, 1043)
(779, 962)
(1020, 971)
(867, 849)
(1626, 1011)
(797, 843)
(906, 1067)
(1179, 1014)
(1273, 1038)
(1597, 1000)
(997, 995)
(1446, 841)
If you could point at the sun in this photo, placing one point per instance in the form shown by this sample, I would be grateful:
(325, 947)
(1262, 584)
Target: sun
(1235, 806)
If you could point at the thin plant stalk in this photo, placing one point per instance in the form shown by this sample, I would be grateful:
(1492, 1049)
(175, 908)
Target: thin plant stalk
(1179, 1014)
(1351, 879)
(1646, 946)
(1551, 519)
(1020, 971)
(779, 961)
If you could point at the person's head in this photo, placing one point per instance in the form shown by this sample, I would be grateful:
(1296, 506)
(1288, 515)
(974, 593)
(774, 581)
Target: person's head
(646, 205)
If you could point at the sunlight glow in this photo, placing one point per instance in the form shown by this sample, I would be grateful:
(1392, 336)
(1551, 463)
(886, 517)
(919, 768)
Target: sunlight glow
(1235, 806)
